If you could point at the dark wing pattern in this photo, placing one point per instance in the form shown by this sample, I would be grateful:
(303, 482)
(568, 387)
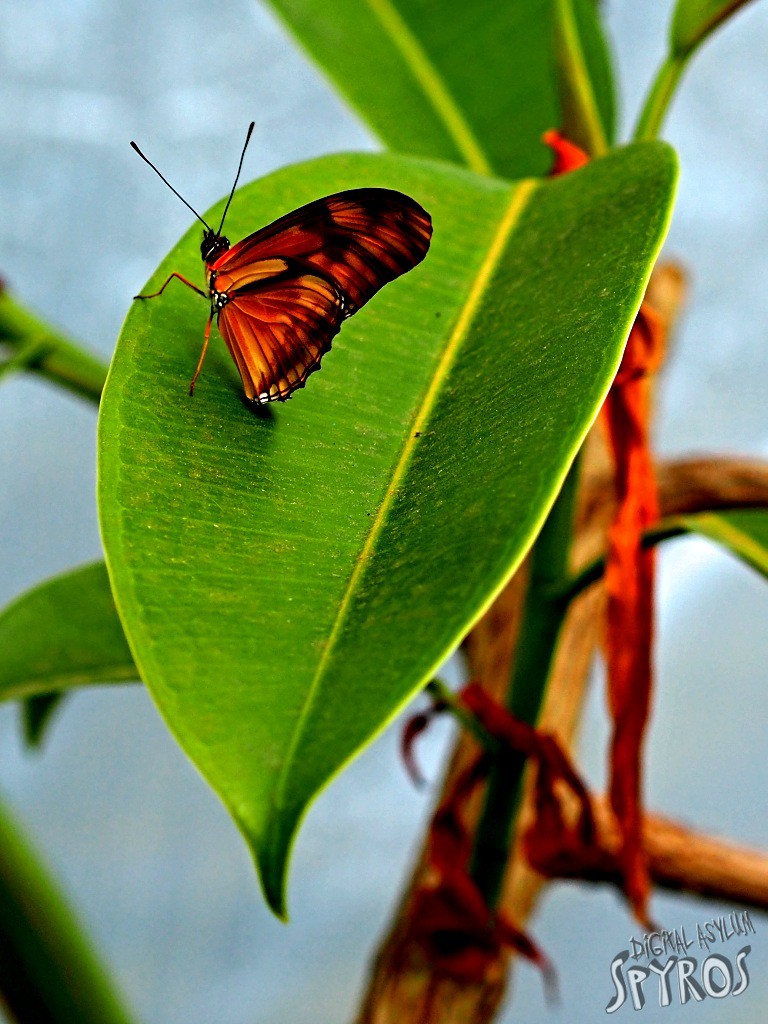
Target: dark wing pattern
(361, 239)
(278, 328)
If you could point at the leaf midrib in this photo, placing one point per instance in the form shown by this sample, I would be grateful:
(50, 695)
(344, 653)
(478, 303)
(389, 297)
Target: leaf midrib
(518, 201)
(581, 81)
(432, 84)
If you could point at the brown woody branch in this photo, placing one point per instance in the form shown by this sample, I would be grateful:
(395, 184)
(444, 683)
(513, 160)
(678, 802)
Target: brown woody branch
(683, 860)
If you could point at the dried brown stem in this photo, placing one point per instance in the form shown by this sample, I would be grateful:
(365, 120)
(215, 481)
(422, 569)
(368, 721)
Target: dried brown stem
(699, 485)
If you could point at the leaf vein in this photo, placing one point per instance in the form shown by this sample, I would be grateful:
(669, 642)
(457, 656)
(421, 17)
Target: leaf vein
(432, 84)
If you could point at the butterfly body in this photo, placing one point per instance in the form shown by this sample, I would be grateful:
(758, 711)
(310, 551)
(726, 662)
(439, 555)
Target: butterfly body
(281, 294)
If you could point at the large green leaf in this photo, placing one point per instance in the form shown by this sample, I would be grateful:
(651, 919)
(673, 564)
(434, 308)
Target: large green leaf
(694, 20)
(61, 634)
(469, 82)
(288, 579)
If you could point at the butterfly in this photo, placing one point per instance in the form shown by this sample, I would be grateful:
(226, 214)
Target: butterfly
(280, 295)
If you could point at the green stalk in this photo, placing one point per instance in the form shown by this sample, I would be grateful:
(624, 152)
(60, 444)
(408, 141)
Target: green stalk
(442, 695)
(660, 96)
(48, 972)
(565, 591)
(542, 619)
(41, 349)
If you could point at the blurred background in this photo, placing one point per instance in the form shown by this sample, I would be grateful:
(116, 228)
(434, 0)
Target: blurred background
(156, 869)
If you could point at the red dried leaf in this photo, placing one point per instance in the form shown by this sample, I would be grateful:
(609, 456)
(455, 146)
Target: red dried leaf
(413, 728)
(460, 935)
(568, 156)
(551, 840)
(629, 573)
(629, 580)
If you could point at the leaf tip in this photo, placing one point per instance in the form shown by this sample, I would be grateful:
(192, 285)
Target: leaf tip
(272, 860)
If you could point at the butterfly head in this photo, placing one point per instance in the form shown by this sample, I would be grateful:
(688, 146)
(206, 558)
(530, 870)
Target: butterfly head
(212, 246)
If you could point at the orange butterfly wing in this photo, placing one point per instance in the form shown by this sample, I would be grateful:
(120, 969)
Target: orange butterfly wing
(290, 285)
(278, 328)
(361, 239)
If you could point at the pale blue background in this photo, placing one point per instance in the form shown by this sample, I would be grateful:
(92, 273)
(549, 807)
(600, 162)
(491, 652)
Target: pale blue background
(158, 872)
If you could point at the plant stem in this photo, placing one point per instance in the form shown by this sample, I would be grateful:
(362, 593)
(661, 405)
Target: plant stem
(659, 97)
(565, 591)
(43, 350)
(27, 355)
(48, 972)
(542, 619)
(442, 695)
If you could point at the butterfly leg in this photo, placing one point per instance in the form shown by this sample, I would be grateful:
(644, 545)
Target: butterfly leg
(168, 281)
(202, 354)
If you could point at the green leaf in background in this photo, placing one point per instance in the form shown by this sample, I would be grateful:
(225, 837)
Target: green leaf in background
(37, 714)
(288, 579)
(585, 76)
(743, 532)
(473, 83)
(61, 634)
(49, 974)
(694, 20)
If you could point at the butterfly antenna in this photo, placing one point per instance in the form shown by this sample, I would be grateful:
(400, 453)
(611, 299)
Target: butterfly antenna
(237, 176)
(170, 186)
